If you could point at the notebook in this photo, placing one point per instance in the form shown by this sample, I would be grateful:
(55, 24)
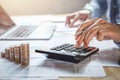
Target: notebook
(27, 32)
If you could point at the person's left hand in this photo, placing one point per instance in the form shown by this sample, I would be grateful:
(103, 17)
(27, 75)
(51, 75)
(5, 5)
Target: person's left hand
(99, 28)
(80, 16)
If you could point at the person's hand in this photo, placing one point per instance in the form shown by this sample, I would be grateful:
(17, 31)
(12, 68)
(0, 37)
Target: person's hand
(77, 16)
(5, 19)
(99, 28)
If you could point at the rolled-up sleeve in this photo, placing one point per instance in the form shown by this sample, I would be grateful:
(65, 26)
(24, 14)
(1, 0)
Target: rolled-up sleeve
(97, 7)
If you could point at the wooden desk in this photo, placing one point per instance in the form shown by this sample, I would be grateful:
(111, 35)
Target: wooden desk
(112, 74)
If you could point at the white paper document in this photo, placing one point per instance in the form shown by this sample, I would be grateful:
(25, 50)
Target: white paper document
(43, 68)
(62, 28)
(109, 53)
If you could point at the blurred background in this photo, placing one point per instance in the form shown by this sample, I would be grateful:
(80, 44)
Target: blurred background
(36, 7)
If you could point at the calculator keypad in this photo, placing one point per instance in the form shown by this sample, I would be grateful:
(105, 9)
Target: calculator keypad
(71, 49)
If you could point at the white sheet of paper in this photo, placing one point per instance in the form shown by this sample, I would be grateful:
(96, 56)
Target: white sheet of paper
(43, 68)
(109, 53)
(62, 28)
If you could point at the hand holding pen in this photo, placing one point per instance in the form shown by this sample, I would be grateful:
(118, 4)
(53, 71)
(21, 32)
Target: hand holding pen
(98, 28)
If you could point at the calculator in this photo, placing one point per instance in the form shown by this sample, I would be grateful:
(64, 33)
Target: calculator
(67, 52)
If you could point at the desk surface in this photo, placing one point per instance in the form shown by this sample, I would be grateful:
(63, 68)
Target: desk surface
(112, 74)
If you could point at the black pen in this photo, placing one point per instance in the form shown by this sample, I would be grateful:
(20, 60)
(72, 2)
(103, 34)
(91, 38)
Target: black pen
(79, 33)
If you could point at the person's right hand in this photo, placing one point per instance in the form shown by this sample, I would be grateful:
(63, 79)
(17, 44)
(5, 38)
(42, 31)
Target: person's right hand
(81, 15)
(99, 28)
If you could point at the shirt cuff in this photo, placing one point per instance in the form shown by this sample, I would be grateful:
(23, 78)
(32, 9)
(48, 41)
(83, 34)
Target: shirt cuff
(91, 7)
